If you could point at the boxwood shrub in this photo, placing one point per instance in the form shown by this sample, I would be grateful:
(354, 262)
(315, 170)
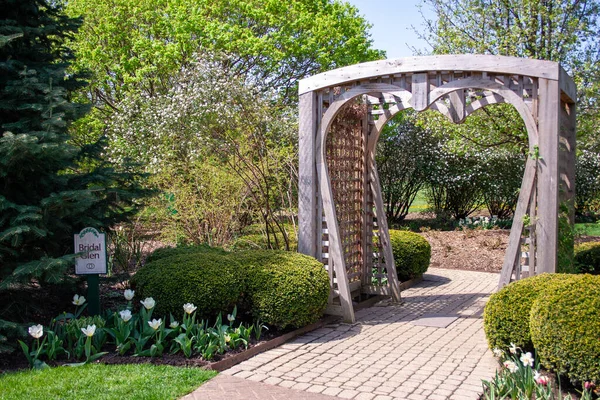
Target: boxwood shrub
(565, 327)
(165, 252)
(214, 282)
(285, 289)
(587, 257)
(506, 314)
(412, 254)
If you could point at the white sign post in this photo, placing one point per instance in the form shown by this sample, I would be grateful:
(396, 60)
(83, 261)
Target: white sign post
(92, 244)
(92, 262)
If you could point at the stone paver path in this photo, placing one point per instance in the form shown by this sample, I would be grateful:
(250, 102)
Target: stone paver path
(431, 347)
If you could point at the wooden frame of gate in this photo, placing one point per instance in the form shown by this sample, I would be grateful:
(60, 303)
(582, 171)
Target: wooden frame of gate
(341, 212)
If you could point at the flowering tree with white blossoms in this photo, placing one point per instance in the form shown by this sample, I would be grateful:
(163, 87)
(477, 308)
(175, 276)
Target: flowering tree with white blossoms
(215, 126)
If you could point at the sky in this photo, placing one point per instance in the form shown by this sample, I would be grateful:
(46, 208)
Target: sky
(393, 22)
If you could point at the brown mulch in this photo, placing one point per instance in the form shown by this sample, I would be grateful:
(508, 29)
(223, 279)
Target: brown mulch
(473, 250)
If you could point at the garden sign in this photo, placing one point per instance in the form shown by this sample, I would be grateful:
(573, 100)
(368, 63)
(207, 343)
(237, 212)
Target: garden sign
(92, 244)
(92, 263)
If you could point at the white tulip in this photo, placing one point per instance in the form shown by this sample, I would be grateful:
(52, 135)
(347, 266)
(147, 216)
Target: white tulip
(36, 331)
(125, 315)
(89, 331)
(174, 325)
(128, 294)
(78, 300)
(155, 324)
(230, 318)
(148, 303)
(189, 308)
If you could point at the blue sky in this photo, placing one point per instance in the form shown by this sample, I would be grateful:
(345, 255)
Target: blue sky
(392, 22)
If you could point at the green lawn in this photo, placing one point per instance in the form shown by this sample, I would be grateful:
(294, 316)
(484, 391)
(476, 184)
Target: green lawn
(589, 229)
(420, 203)
(98, 381)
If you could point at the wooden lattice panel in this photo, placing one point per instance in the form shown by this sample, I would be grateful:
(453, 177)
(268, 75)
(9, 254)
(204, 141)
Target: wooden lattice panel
(346, 163)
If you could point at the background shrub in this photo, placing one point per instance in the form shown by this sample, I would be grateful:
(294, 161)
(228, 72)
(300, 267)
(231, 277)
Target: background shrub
(214, 282)
(565, 327)
(254, 237)
(412, 254)
(285, 289)
(165, 252)
(587, 257)
(506, 314)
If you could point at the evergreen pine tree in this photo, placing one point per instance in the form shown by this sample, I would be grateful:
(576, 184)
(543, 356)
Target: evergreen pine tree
(49, 188)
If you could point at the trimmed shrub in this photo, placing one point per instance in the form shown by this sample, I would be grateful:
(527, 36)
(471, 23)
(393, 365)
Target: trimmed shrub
(214, 282)
(412, 254)
(165, 252)
(285, 289)
(506, 314)
(565, 327)
(587, 257)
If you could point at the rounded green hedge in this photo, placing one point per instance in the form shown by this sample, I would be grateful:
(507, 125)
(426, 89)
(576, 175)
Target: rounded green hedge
(255, 239)
(165, 252)
(412, 254)
(587, 257)
(214, 282)
(565, 327)
(285, 289)
(506, 314)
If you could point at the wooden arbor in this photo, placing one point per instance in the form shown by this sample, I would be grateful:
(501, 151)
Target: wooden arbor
(341, 212)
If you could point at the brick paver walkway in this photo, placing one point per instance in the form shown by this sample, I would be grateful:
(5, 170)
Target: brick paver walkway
(390, 353)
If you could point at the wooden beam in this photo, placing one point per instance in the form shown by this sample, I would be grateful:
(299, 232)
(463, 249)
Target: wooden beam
(548, 175)
(309, 223)
(462, 62)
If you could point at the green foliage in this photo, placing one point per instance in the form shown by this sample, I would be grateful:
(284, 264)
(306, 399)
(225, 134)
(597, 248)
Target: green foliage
(564, 327)
(99, 381)
(412, 254)
(137, 45)
(213, 282)
(566, 241)
(201, 201)
(587, 181)
(587, 257)
(285, 289)
(166, 252)
(506, 314)
(405, 154)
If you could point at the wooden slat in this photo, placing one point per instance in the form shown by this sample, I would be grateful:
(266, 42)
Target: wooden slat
(457, 105)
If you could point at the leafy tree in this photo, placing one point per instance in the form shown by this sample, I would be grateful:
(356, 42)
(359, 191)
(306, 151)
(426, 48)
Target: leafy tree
(46, 192)
(138, 45)
(405, 157)
(566, 31)
(210, 116)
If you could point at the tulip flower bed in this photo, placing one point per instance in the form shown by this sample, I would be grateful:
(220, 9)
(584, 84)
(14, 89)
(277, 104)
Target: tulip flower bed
(74, 340)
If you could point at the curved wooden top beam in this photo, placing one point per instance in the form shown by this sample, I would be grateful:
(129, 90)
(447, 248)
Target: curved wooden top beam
(458, 62)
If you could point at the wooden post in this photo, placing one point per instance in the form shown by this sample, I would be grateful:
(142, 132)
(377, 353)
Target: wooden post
(309, 223)
(548, 177)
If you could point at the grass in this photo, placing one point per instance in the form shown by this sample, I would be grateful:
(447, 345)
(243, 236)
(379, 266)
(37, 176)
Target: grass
(99, 381)
(588, 229)
(420, 203)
